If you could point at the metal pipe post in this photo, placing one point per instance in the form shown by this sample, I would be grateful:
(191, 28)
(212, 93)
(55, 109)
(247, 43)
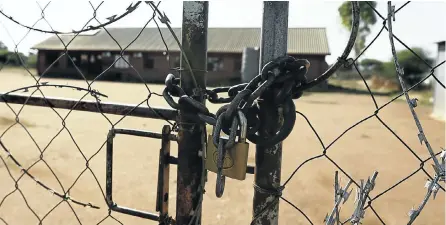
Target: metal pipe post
(269, 160)
(191, 134)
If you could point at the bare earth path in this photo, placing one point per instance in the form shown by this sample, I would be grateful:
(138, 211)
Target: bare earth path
(362, 150)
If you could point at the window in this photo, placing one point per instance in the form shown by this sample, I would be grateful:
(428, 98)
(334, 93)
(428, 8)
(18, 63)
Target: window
(137, 55)
(121, 63)
(215, 63)
(84, 57)
(74, 58)
(149, 62)
(237, 65)
(52, 57)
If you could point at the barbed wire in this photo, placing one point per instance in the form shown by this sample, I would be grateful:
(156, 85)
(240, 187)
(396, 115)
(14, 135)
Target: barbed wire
(64, 195)
(432, 185)
(364, 196)
(110, 20)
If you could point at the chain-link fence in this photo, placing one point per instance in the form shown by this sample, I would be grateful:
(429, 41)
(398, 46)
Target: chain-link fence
(68, 151)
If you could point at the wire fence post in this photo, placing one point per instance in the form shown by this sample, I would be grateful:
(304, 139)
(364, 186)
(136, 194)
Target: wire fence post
(191, 134)
(268, 160)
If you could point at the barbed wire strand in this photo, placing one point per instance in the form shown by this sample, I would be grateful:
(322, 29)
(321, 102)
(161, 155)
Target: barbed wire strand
(401, 42)
(405, 91)
(26, 130)
(111, 19)
(163, 19)
(63, 119)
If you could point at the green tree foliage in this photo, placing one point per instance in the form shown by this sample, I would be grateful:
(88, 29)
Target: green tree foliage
(372, 65)
(16, 59)
(367, 19)
(31, 60)
(389, 70)
(13, 59)
(3, 54)
(414, 68)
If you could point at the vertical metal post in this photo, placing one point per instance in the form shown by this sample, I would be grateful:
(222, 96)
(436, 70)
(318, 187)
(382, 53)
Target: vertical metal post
(191, 134)
(274, 36)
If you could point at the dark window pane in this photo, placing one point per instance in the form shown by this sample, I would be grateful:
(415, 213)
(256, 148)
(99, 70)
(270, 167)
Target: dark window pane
(75, 57)
(149, 63)
(215, 63)
(237, 65)
(51, 57)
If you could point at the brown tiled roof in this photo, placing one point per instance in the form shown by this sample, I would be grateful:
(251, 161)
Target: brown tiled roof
(229, 40)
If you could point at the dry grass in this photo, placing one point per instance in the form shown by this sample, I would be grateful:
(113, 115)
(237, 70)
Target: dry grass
(362, 150)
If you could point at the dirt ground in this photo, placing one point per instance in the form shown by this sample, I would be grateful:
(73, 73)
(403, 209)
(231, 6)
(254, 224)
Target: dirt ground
(361, 151)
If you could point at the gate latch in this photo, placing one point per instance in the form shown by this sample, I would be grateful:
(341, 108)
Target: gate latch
(162, 196)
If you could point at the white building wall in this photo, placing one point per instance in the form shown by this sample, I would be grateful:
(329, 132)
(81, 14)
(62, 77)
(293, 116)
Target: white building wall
(439, 91)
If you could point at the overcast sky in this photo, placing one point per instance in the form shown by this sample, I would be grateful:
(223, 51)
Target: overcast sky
(419, 24)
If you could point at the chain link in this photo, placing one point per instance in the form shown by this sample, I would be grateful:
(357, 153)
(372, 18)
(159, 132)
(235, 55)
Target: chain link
(277, 82)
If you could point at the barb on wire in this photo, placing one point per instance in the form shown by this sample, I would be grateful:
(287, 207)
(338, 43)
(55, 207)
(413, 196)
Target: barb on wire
(432, 188)
(361, 197)
(401, 42)
(45, 84)
(65, 196)
(280, 80)
(63, 119)
(410, 102)
(441, 171)
(96, 94)
(360, 210)
(341, 196)
(110, 19)
(165, 20)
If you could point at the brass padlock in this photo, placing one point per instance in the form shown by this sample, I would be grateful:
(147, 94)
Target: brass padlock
(236, 158)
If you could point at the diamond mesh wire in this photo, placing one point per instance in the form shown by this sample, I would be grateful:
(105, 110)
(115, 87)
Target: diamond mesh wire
(61, 191)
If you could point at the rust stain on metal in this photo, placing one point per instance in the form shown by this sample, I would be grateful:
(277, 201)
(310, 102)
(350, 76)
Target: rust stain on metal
(269, 160)
(163, 200)
(190, 165)
(185, 196)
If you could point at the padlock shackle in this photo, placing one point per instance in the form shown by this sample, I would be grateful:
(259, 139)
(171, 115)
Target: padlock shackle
(243, 125)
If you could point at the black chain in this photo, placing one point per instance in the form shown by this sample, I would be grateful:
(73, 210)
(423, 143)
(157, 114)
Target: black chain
(280, 81)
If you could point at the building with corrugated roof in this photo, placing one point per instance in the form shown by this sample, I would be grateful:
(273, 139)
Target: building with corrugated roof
(146, 51)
